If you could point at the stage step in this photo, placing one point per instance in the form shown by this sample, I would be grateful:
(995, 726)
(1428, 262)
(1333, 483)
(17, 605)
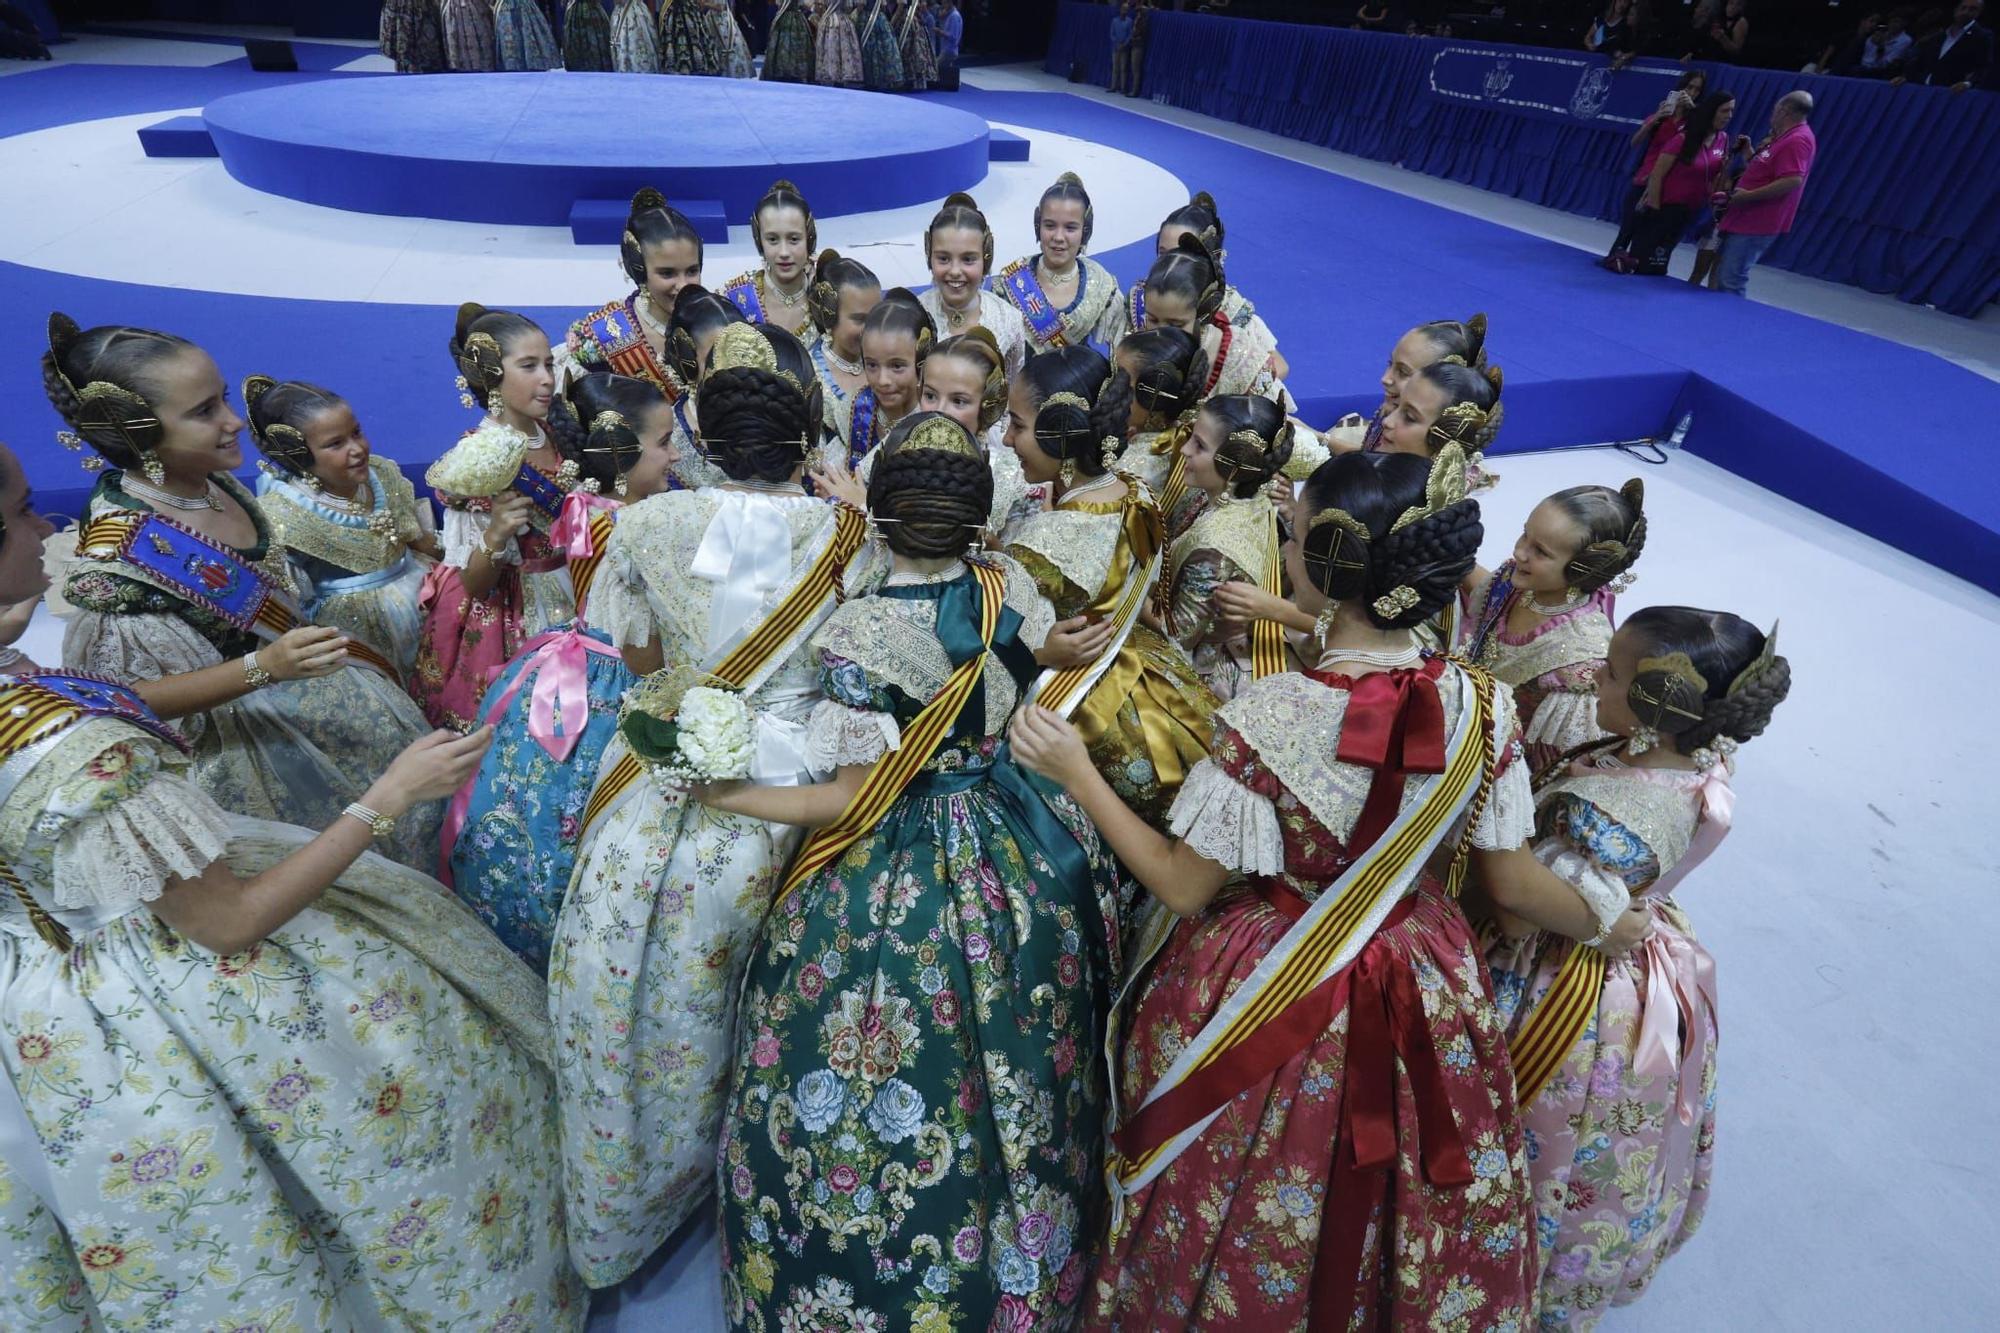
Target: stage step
(1005, 146)
(602, 221)
(181, 136)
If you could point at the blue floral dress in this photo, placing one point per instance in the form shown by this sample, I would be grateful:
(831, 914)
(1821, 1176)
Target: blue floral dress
(348, 1126)
(915, 1132)
(516, 825)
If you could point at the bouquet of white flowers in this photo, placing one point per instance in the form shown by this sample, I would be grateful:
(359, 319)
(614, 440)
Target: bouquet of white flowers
(688, 728)
(482, 464)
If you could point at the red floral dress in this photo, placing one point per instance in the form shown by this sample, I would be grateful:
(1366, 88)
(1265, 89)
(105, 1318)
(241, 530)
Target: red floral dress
(1268, 1211)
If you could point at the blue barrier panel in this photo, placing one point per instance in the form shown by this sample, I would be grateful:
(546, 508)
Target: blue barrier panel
(1903, 198)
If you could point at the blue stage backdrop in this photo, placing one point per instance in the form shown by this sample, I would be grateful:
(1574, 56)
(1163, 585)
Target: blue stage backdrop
(1903, 199)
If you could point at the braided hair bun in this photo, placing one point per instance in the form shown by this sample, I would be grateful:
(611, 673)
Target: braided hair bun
(480, 341)
(783, 194)
(1200, 216)
(1713, 665)
(759, 404)
(931, 488)
(1081, 407)
(1068, 186)
(832, 275)
(1613, 524)
(698, 312)
(277, 414)
(1472, 413)
(104, 383)
(1256, 441)
(959, 210)
(653, 221)
(978, 349)
(1167, 368)
(609, 409)
(1191, 271)
(1460, 341)
(1391, 531)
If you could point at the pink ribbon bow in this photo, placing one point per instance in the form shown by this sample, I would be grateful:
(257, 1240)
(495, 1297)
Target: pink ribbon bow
(570, 533)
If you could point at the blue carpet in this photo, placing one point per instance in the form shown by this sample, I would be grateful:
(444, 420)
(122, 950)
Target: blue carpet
(1892, 441)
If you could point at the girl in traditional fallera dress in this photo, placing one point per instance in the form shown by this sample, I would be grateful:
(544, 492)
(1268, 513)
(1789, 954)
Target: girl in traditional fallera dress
(1141, 709)
(1167, 370)
(920, 67)
(730, 44)
(500, 582)
(687, 42)
(511, 835)
(727, 582)
(411, 35)
(587, 37)
(881, 56)
(788, 56)
(1422, 346)
(1064, 297)
(523, 38)
(1184, 290)
(959, 246)
(1317, 1125)
(469, 45)
(700, 316)
(837, 47)
(896, 339)
(635, 40)
(249, 1073)
(1200, 218)
(1616, 1060)
(1576, 550)
(965, 377)
(787, 238)
(182, 592)
(358, 540)
(842, 293)
(917, 1110)
(1236, 447)
(660, 252)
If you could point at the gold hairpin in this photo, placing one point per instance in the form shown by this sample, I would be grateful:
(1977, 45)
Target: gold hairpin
(942, 435)
(1444, 488)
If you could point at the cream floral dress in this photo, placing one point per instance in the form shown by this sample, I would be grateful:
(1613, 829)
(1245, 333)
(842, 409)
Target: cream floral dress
(668, 895)
(348, 1126)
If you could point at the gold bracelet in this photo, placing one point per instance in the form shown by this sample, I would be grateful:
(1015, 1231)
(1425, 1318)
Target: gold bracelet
(255, 674)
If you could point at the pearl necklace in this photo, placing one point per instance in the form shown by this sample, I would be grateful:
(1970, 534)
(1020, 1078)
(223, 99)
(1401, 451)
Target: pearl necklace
(785, 298)
(1095, 484)
(362, 502)
(1048, 279)
(916, 579)
(1388, 658)
(154, 495)
(834, 359)
(648, 314)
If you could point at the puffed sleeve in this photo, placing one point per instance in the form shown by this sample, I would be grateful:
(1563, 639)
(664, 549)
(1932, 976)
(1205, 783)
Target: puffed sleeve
(618, 604)
(1594, 854)
(125, 823)
(1219, 813)
(1508, 821)
(133, 647)
(1308, 452)
(1567, 715)
(464, 531)
(854, 723)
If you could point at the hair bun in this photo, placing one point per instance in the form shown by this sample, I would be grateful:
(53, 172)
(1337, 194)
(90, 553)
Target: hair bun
(647, 200)
(1070, 178)
(959, 199)
(826, 256)
(63, 332)
(1475, 334)
(254, 389)
(981, 334)
(1203, 199)
(782, 184)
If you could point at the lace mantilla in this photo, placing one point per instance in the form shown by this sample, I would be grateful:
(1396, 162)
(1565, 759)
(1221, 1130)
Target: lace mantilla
(1073, 543)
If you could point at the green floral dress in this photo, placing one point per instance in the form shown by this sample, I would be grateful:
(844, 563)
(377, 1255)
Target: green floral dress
(915, 1130)
(348, 1126)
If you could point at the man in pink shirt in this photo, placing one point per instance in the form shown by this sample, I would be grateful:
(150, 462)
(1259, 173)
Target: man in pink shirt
(1767, 196)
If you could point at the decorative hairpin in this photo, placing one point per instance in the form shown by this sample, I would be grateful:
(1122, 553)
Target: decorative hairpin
(1396, 601)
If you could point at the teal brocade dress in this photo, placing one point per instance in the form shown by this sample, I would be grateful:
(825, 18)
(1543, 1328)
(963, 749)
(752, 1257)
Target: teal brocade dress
(915, 1130)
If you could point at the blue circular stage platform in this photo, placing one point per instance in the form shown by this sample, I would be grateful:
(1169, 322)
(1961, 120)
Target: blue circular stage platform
(522, 148)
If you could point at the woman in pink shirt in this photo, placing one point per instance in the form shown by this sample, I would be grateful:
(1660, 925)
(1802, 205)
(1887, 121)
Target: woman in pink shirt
(1652, 135)
(1688, 173)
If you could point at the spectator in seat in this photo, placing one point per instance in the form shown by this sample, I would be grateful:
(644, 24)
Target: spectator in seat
(1958, 57)
(1611, 32)
(1724, 38)
(1886, 50)
(1766, 199)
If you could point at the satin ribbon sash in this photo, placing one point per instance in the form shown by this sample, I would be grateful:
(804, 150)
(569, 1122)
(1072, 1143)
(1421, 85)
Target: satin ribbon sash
(202, 572)
(861, 427)
(1267, 637)
(1267, 1018)
(1024, 290)
(1062, 691)
(1671, 1027)
(351, 583)
(747, 664)
(621, 339)
(894, 772)
(744, 295)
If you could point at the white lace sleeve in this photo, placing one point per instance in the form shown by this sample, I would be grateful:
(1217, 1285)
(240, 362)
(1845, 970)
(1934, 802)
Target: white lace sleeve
(134, 648)
(464, 531)
(837, 735)
(1563, 721)
(1508, 821)
(125, 851)
(1308, 452)
(1603, 891)
(1227, 822)
(618, 604)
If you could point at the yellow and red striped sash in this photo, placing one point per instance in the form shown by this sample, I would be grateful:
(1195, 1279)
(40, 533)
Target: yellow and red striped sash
(1327, 936)
(1267, 637)
(583, 568)
(1545, 1040)
(110, 535)
(744, 662)
(894, 771)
